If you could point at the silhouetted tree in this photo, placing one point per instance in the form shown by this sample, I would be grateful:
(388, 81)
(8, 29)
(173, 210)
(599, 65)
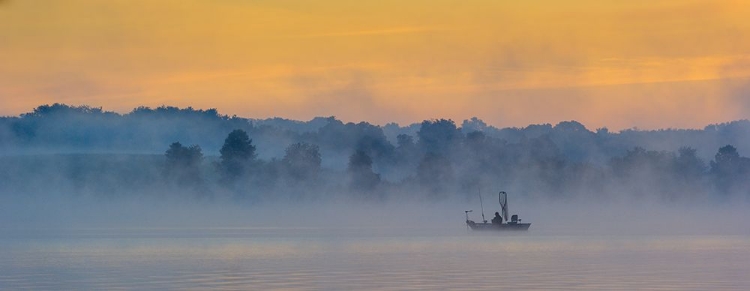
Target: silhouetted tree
(237, 153)
(434, 154)
(575, 142)
(726, 161)
(358, 136)
(183, 163)
(640, 161)
(302, 161)
(688, 165)
(730, 170)
(360, 172)
(474, 124)
(654, 172)
(439, 136)
(58, 109)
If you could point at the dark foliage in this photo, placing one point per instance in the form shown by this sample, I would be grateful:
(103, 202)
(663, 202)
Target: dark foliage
(184, 163)
(730, 170)
(434, 158)
(237, 154)
(361, 176)
(439, 136)
(302, 161)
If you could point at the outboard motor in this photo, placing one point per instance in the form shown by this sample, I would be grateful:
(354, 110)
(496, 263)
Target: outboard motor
(514, 219)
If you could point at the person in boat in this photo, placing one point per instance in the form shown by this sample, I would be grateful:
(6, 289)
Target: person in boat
(497, 219)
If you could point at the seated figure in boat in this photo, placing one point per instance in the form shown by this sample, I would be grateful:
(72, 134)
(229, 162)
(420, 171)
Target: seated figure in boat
(514, 219)
(497, 219)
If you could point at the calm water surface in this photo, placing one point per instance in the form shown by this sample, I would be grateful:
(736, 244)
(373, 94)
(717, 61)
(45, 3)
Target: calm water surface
(366, 259)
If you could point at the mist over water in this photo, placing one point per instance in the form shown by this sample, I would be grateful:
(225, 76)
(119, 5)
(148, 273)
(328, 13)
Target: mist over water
(162, 243)
(547, 217)
(345, 246)
(93, 200)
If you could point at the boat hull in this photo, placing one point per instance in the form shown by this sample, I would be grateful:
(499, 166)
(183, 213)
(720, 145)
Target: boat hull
(498, 227)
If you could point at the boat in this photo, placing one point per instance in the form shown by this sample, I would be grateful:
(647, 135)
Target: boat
(498, 224)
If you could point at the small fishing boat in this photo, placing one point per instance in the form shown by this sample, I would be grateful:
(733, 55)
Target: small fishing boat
(497, 223)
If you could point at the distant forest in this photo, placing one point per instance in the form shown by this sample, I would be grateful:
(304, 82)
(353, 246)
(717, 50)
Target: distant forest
(201, 154)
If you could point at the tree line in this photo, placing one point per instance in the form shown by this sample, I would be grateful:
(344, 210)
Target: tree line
(208, 154)
(446, 163)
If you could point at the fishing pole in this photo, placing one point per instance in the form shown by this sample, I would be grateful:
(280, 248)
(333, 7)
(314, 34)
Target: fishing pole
(481, 204)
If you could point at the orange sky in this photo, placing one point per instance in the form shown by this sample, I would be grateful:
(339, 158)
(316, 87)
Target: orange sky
(620, 64)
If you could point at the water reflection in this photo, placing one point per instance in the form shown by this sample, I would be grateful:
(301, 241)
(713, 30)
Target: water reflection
(369, 259)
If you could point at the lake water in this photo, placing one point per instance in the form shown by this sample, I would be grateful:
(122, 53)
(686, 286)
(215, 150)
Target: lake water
(367, 259)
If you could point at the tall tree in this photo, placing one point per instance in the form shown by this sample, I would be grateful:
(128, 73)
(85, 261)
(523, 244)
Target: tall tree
(361, 176)
(688, 165)
(236, 155)
(183, 163)
(729, 170)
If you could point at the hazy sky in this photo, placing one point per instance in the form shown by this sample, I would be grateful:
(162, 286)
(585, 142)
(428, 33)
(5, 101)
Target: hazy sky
(620, 64)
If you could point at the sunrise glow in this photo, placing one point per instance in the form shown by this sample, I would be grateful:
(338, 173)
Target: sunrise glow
(620, 64)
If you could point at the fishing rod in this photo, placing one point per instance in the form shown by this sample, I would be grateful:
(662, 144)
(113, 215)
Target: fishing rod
(481, 204)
